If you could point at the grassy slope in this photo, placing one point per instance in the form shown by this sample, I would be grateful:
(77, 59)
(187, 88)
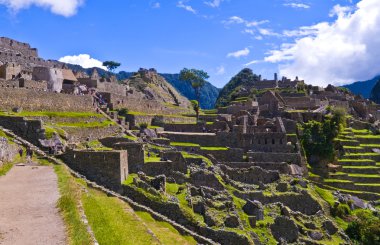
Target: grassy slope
(113, 221)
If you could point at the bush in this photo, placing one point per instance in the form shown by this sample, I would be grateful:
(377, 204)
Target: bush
(143, 125)
(341, 210)
(365, 229)
(123, 112)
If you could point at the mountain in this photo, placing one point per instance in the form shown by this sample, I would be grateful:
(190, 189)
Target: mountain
(239, 86)
(375, 93)
(363, 87)
(209, 93)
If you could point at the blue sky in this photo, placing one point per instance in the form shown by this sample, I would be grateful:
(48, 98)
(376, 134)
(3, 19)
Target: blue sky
(309, 38)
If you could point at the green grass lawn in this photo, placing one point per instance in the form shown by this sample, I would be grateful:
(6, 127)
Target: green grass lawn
(70, 191)
(355, 160)
(336, 181)
(52, 114)
(215, 148)
(184, 144)
(114, 222)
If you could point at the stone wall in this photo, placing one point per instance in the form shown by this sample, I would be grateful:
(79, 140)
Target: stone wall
(81, 134)
(108, 168)
(136, 120)
(30, 84)
(53, 76)
(30, 130)
(32, 100)
(24, 48)
(302, 102)
(9, 71)
(135, 154)
(293, 158)
(252, 175)
(230, 155)
(283, 168)
(216, 126)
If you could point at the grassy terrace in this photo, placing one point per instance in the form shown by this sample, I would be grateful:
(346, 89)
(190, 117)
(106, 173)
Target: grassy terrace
(214, 148)
(184, 144)
(138, 113)
(52, 114)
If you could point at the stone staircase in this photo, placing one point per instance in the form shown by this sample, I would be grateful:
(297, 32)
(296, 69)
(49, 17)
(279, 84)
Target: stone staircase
(360, 172)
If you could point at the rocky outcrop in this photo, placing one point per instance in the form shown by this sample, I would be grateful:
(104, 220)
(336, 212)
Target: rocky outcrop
(284, 229)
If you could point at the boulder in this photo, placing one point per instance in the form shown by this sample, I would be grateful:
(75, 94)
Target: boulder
(159, 183)
(284, 228)
(315, 235)
(282, 187)
(232, 221)
(254, 208)
(330, 227)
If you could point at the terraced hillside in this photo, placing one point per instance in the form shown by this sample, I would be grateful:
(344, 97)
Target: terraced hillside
(359, 171)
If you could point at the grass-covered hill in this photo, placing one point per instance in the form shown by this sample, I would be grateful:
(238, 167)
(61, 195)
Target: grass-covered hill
(240, 85)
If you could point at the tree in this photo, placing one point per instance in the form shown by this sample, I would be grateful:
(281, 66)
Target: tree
(111, 65)
(197, 78)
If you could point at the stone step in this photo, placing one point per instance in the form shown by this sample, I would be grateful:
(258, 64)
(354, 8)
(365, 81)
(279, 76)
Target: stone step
(361, 169)
(349, 142)
(354, 149)
(368, 187)
(368, 140)
(366, 155)
(369, 196)
(357, 162)
(357, 178)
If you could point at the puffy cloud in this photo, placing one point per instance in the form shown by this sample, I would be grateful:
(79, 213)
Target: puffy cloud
(340, 52)
(65, 8)
(239, 53)
(297, 5)
(182, 5)
(83, 60)
(214, 3)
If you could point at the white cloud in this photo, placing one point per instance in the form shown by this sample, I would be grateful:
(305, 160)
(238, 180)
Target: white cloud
(214, 3)
(220, 70)
(340, 10)
(156, 5)
(65, 8)
(297, 5)
(83, 60)
(240, 20)
(182, 5)
(268, 32)
(340, 52)
(252, 63)
(239, 53)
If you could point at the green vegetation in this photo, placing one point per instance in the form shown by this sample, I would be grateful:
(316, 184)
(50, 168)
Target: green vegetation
(4, 169)
(51, 114)
(317, 138)
(184, 144)
(215, 148)
(114, 222)
(164, 231)
(68, 205)
(365, 229)
(111, 65)
(197, 79)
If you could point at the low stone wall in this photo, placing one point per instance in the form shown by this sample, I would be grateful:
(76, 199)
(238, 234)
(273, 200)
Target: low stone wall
(108, 168)
(28, 129)
(78, 134)
(283, 168)
(32, 100)
(201, 139)
(230, 155)
(252, 175)
(198, 128)
(293, 158)
(135, 120)
(7, 151)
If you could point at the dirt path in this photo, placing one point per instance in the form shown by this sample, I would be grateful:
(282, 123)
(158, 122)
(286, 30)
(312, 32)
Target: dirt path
(28, 213)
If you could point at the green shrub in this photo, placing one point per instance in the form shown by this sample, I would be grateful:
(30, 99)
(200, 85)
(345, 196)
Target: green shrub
(365, 229)
(341, 210)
